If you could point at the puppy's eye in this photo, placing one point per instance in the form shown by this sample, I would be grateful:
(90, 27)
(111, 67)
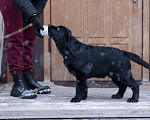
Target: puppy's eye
(58, 28)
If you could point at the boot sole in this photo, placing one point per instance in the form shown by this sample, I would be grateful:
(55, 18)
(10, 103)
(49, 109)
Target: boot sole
(43, 90)
(18, 94)
(28, 97)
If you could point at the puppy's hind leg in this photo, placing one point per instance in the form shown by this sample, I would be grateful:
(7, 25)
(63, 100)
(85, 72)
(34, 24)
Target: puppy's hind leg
(122, 89)
(81, 90)
(130, 82)
(135, 88)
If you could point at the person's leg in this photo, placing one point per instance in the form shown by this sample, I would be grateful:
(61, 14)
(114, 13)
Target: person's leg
(29, 38)
(13, 21)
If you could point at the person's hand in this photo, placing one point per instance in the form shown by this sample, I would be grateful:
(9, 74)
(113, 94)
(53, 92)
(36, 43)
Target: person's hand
(37, 25)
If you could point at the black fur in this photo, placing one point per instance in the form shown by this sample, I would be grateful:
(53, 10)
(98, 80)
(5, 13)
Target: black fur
(86, 61)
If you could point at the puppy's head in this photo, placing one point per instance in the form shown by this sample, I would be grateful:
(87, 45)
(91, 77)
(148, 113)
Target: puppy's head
(60, 34)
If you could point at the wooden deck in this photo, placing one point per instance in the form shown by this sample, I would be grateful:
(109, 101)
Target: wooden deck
(57, 105)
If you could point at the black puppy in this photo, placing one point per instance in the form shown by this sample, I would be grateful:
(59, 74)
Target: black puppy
(86, 61)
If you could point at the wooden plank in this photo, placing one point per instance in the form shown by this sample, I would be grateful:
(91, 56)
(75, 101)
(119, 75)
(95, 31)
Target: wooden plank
(57, 105)
(46, 21)
(1, 39)
(146, 49)
(135, 33)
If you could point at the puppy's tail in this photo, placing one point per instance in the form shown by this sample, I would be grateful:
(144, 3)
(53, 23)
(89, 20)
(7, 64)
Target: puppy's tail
(137, 59)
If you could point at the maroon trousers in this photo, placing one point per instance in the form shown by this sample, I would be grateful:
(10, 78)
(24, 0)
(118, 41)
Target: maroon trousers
(19, 46)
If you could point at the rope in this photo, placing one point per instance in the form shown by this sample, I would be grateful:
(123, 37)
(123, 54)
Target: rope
(18, 31)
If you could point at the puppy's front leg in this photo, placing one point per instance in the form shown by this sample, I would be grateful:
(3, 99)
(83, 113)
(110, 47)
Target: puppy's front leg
(81, 90)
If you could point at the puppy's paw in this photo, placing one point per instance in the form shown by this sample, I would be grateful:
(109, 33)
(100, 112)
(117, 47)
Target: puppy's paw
(116, 96)
(132, 100)
(84, 98)
(75, 99)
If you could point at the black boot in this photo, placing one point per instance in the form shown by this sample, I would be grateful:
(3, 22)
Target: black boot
(20, 89)
(32, 84)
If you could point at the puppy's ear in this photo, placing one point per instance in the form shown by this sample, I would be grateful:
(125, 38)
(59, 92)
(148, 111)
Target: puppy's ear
(68, 33)
(67, 36)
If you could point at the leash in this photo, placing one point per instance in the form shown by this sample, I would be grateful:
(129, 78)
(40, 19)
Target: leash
(18, 31)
